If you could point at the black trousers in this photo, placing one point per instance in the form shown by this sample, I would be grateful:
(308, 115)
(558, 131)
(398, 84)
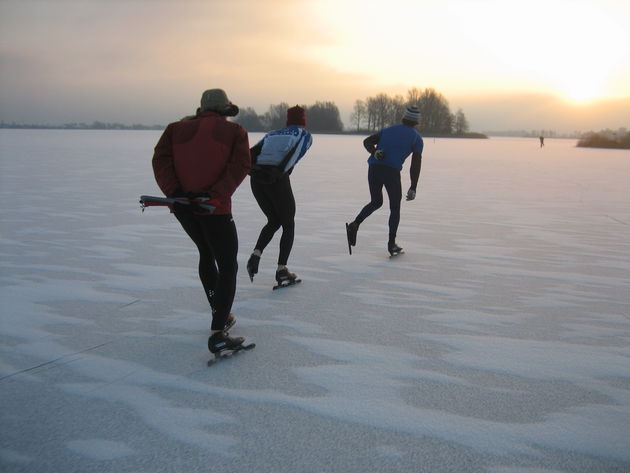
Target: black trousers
(380, 176)
(217, 242)
(278, 204)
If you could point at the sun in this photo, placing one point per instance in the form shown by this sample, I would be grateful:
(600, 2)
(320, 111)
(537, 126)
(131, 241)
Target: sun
(582, 88)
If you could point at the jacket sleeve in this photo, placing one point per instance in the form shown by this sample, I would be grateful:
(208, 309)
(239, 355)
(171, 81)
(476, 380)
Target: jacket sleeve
(236, 168)
(371, 143)
(414, 170)
(163, 167)
(255, 151)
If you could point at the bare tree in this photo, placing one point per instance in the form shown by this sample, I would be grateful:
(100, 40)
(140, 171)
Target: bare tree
(371, 113)
(381, 106)
(396, 110)
(413, 96)
(461, 124)
(435, 115)
(324, 117)
(276, 116)
(359, 114)
(249, 119)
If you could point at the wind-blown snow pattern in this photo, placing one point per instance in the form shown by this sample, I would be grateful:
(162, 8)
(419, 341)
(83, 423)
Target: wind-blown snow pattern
(499, 342)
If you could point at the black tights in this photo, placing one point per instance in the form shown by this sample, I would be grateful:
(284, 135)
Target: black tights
(278, 204)
(379, 176)
(217, 242)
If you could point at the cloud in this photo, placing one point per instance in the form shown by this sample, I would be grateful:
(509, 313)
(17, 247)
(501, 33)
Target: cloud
(496, 112)
(148, 61)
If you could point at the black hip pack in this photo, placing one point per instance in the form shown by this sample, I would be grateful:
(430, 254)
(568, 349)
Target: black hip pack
(265, 174)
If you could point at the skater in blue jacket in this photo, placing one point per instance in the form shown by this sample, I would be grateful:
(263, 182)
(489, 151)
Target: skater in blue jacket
(389, 148)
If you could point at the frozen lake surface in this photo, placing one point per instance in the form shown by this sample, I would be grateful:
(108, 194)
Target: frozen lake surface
(500, 342)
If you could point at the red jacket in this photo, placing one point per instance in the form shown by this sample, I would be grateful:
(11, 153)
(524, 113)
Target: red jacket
(207, 154)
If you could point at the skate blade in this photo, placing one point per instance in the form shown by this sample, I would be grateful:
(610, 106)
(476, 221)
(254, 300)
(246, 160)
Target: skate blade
(223, 354)
(292, 283)
(348, 238)
(393, 255)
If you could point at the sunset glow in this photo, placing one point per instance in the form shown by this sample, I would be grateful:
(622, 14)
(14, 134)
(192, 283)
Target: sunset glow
(569, 48)
(146, 61)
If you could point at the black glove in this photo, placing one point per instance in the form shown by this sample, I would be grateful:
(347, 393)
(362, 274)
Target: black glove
(411, 194)
(181, 207)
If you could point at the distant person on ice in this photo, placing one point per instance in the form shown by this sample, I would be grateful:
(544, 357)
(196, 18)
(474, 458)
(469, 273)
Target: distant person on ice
(207, 156)
(389, 148)
(273, 160)
(542, 141)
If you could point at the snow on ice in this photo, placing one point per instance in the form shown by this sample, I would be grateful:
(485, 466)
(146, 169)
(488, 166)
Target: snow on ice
(499, 342)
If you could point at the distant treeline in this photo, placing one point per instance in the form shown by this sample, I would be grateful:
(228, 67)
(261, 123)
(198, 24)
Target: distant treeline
(368, 115)
(322, 117)
(619, 139)
(84, 126)
(535, 133)
(436, 118)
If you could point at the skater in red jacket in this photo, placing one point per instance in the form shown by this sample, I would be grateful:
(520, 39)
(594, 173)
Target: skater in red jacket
(207, 156)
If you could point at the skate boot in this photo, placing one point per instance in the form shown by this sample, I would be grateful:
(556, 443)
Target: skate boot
(220, 342)
(394, 249)
(229, 323)
(252, 266)
(351, 232)
(284, 278)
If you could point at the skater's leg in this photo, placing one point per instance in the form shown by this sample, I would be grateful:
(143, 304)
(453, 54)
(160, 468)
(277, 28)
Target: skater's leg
(263, 193)
(393, 187)
(285, 207)
(220, 233)
(208, 273)
(375, 183)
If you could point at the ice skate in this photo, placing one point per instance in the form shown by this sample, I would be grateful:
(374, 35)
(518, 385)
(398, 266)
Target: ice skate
(394, 249)
(351, 232)
(221, 341)
(285, 278)
(223, 346)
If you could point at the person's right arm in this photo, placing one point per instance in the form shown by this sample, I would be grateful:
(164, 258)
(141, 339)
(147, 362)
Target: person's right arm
(163, 165)
(371, 143)
(255, 150)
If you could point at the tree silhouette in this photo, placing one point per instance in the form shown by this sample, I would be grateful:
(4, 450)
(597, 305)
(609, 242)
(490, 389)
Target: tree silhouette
(359, 114)
(323, 117)
(461, 124)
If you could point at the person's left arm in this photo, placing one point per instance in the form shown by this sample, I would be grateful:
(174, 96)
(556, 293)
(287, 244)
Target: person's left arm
(307, 141)
(414, 174)
(414, 169)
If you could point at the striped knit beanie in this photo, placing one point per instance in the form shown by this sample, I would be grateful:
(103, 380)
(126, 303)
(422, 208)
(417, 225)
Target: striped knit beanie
(412, 114)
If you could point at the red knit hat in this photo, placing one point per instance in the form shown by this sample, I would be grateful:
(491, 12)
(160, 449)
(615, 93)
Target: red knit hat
(296, 116)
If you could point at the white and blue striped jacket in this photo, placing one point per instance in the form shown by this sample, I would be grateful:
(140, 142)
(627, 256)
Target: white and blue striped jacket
(273, 148)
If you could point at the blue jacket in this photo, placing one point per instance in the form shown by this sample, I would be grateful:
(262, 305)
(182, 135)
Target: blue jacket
(397, 142)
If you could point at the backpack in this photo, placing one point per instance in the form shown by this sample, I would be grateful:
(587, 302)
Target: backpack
(271, 173)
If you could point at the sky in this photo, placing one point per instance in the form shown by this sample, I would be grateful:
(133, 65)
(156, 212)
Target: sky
(554, 64)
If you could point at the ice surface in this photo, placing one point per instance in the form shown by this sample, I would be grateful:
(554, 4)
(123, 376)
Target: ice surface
(499, 342)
